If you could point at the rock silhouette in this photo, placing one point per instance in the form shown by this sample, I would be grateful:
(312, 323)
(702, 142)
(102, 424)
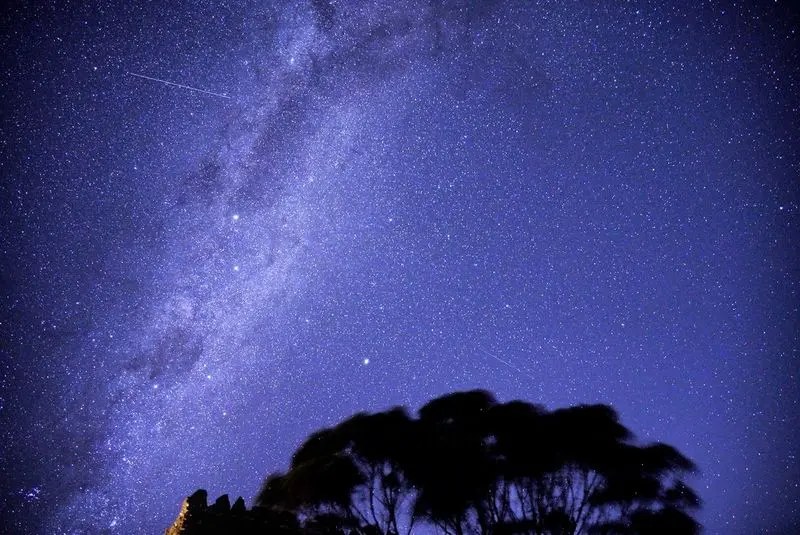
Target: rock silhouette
(198, 518)
(466, 464)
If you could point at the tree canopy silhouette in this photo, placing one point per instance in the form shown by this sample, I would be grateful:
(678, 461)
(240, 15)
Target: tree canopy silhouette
(468, 464)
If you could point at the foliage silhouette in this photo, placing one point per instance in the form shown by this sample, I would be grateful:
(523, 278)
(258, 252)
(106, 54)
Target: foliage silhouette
(351, 472)
(471, 465)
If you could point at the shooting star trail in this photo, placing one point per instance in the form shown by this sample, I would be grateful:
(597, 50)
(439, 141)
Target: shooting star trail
(508, 364)
(190, 88)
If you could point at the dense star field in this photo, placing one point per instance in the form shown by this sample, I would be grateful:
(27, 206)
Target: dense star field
(376, 203)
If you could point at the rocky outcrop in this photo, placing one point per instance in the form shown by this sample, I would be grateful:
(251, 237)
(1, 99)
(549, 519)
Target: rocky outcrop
(198, 518)
(192, 515)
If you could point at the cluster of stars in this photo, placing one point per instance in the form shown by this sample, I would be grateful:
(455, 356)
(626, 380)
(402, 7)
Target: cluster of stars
(557, 204)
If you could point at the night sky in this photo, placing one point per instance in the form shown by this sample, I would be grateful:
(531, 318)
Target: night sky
(376, 203)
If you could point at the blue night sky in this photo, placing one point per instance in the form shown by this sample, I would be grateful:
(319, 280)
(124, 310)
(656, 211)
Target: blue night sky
(382, 202)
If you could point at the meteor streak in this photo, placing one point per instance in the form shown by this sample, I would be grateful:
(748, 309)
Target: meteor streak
(508, 364)
(190, 88)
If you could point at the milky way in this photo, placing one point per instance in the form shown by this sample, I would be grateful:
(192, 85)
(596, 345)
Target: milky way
(559, 203)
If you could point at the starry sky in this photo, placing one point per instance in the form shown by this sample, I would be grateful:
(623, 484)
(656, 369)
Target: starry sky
(376, 203)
